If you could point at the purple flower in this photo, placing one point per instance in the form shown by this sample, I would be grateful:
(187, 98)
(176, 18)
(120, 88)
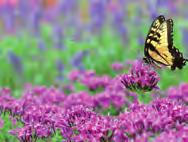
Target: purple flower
(41, 45)
(140, 77)
(59, 37)
(5, 91)
(117, 66)
(185, 36)
(74, 75)
(174, 135)
(97, 14)
(77, 60)
(68, 88)
(152, 7)
(16, 62)
(94, 82)
(89, 124)
(38, 121)
(179, 93)
(118, 22)
(60, 69)
(82, 98)
(159, 116)
(36, 20)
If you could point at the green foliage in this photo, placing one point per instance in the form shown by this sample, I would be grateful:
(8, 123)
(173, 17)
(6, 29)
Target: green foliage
(5, 136)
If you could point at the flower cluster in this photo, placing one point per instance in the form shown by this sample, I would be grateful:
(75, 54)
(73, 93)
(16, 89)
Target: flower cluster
(82, 123)
(174, 135)
(140, 77)
(80, 115)
(117, 66)
(42, 111)
(142, 122)
(179, 93)
(89, 79)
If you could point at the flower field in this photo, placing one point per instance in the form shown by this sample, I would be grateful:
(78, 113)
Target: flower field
(72, 71)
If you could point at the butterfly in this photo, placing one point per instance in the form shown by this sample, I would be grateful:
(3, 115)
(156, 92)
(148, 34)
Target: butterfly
(159, 49)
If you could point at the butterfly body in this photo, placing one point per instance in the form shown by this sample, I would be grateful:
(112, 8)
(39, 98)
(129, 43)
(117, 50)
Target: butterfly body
(159, 49)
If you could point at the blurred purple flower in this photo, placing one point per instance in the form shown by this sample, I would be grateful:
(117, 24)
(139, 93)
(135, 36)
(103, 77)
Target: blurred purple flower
(97, 15)
(179, 93)
(95, 82)
(16, 62)
(152, 8)
(140, 77)
(23, 8)
(141, 40)
(119, 25)
(77, 60)
(59, 38)
(35, 20)
(60, 69)
(41, 45)
(174, 135)
(105, 99)
(185, 37)
(159, 116)
(74, 75)
(68, 6)
(117, 66)
(162, 3)
(68, 88)
(8, 16)
(82, 98)
(172, 5)
(9, 20)
(5, 91)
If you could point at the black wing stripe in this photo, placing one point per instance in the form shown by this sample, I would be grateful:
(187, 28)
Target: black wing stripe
(159, 19)
(170, 33)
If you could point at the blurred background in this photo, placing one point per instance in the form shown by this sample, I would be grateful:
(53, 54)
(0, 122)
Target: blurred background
(41, 41)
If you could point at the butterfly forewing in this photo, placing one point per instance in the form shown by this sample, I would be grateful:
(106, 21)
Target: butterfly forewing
(152, 36)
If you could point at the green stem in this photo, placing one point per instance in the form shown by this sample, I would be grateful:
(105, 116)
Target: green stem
(144, 97)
